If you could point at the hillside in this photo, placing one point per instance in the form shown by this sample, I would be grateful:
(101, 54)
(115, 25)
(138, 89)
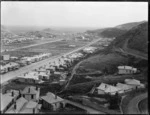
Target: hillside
(129, 26)
(114, 31)
(6, 34)
(37, 34)
(137, 38)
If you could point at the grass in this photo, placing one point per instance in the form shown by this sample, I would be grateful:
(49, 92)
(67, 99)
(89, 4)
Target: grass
(100, 61)
(55, 48)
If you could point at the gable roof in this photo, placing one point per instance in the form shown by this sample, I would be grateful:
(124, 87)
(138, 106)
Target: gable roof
(7, 98)
(108, 88)
(32, 90)
(19, 105)
(31, 104)
(50, 98)
(127, 67)
(132, 82)
(123, 86)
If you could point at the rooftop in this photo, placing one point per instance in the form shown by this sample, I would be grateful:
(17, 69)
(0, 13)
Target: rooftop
(30, 90)
(51, 98)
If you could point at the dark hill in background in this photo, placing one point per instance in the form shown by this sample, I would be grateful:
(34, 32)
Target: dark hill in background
(6, 33)
(114, 31)
(137, 38)
(140, 39)
(128, 26)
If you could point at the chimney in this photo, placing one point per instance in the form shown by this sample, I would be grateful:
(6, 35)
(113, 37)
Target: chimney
(36, 88)
(29, 90)
(15, 106)
(33, 110)
(12, 93)
(55, 96)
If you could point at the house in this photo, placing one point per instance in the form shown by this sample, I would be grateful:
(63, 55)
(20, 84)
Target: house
(7, 100)
(124, 87)
(22, 105)
(3, 69)
(43, 75)
(108, 89)
(52, 102)
(89, 49)
(31, 93)
(134, 83)
(31, 77)
(31, 107)
(126, 70)
(12, 66)
(62, 82)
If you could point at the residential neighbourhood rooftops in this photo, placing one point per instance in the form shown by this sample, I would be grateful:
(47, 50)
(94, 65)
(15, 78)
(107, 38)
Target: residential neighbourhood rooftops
(51, 98)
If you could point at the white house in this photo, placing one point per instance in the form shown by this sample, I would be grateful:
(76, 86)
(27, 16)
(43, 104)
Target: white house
(124, 87)
(134, 83)
(89, 49)
(126, 70)
(108, 89)
(52, 102)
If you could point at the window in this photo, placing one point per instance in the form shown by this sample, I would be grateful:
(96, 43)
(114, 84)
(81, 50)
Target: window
(32, 96)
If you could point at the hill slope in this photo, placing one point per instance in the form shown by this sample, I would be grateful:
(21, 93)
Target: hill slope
(114, 31)
(129, 26)
(6, 34)
(137, 38)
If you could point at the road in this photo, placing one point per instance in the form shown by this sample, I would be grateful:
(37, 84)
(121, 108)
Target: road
(36, 44)
(13, 74)
(72, 74)
(88, 109)
(133, 106)
(143, 106)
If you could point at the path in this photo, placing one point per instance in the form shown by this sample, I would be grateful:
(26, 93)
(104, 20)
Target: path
(132, 52)
(133, 106)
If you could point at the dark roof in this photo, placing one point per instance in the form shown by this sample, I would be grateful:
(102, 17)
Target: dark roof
(30, 90)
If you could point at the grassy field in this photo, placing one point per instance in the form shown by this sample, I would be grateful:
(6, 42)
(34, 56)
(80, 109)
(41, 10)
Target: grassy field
(101, 61)
(24, 43)
(55, 48)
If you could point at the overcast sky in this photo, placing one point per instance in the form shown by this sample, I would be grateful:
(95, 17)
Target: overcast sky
(72, 14)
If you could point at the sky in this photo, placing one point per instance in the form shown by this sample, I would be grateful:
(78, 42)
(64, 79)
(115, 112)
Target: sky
(72, 14)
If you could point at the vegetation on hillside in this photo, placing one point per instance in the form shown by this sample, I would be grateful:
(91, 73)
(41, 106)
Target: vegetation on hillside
(112, 32)
(101, 62)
